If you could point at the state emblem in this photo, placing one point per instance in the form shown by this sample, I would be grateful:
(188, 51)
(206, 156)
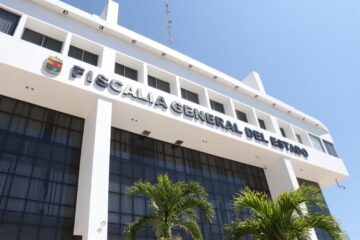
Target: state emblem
(53, 65)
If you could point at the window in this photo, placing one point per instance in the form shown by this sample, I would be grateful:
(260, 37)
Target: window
(8, 22)
(217, 106)
(262, 124)
(134, 157)
(298, 137)
(158, 84)
(83, 55)
(39, 164)
(330, 148)
(283, 132)
(42, 40)
(241, 116)
(126, 71)
(188, 95)
(316, 143)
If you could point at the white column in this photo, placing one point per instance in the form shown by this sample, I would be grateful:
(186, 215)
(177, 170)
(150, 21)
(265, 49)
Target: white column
(108, 59)
(252, 118)
(67, 43)
(143, 74)
(274, 126)
(231, 109)
(292, 133)
(206, 98)
(281, 177)
(20, 27)
(92, 197)
(177, 89)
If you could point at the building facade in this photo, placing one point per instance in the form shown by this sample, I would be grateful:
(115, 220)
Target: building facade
(88, 107)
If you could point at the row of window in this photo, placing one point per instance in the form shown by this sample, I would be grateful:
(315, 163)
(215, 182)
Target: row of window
(9, 21)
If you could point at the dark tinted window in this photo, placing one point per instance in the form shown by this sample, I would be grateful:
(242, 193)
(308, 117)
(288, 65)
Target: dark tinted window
(42, 40)
(159, 84)
(298, 137)
(8, 22)
(217, 106)
(39, 164)
(188, 95)
(262, 124)
(330, 148)
(283, 132)
(126, 71)
(135, 157)
(241, 116)
(83, 55)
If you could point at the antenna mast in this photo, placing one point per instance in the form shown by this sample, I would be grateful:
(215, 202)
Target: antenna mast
(169, 22)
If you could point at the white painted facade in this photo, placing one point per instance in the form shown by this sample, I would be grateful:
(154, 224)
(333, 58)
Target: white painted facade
(23, 77)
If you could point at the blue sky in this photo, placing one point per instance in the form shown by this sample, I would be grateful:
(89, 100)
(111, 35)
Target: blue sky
(307, 53)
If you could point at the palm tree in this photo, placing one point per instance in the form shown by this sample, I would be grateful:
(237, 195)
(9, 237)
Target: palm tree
(283, 218)
(173, 205)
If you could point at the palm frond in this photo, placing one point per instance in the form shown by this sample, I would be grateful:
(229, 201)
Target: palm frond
(131, 229)
(191, 227)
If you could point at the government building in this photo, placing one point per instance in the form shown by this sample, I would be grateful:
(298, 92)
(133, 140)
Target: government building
(88, 107)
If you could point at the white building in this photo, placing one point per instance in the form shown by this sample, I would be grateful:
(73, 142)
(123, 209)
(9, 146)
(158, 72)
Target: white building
(84, 100)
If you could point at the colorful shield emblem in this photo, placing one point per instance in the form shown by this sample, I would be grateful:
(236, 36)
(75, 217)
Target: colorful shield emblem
(53, 65)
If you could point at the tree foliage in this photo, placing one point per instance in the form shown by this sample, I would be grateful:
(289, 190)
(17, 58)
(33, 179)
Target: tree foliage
(286, 218)
(172, 205)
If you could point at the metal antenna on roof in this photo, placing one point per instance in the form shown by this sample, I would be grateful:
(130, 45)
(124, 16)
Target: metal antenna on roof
(169, 22)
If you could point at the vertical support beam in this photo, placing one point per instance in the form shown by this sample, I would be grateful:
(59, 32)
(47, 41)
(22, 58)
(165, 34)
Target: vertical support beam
(281, 177)
(67, 43)
(231, 109)
(108, 59)
(143, 74)
(207, 98)
(20, 27)
(92, 197)
(274, 126)
(176, 89)
(253, 118)
(292, 133)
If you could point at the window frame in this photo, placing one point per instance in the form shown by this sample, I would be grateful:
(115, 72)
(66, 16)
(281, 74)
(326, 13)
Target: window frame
(125, 70)
(313, 138)
(44, 40)
(240, 115)
(185, 95)
(156, 84)
(330, 148)
(262, 124)
(12, 29)
(213, 106)
(83, 52)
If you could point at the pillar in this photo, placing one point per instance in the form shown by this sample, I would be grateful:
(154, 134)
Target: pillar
(92, 197)
(281, 177)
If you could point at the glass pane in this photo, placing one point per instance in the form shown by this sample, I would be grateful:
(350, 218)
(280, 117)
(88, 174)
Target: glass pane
(8, 22)
(119, 69)
(32, 36)
(316, 143)
(52, 44)
(216, 174)
(90, 58)
(162, 85)
(241, 116)
(152, 81)
(131, 73)
(37, 180)
(76, 53)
